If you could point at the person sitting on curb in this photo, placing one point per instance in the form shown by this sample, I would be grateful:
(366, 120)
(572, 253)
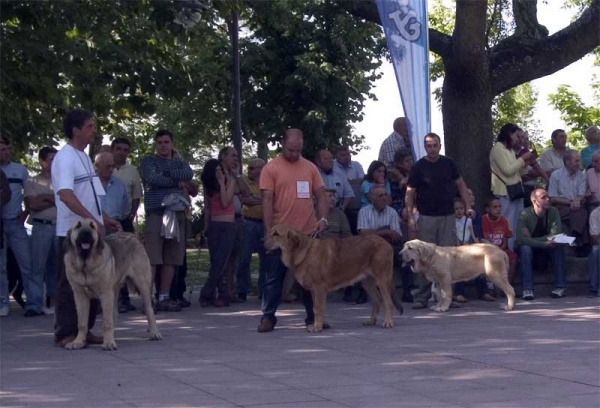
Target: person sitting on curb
(535, 228)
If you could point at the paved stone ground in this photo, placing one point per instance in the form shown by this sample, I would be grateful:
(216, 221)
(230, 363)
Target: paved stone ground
(544, 354)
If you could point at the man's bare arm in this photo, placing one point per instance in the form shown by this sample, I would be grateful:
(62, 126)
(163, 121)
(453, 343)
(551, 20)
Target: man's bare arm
(39, 202)
(267, 203)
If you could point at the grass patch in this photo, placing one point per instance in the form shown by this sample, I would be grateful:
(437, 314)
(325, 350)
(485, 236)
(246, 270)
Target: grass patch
(199, 263)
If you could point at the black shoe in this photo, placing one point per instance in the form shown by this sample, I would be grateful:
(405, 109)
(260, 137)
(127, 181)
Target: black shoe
(362, 297)
(183, 302)
(243, 296)
(32, 313)
(123, 308)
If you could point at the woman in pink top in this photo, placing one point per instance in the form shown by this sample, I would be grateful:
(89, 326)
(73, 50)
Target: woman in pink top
(592, 177)
(219, 229)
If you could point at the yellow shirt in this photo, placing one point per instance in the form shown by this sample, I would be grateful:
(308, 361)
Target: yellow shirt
(505, 164)
(253, 211)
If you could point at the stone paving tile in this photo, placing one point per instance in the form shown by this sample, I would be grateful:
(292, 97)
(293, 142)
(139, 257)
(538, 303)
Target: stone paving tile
(275, 398)
(545, 353)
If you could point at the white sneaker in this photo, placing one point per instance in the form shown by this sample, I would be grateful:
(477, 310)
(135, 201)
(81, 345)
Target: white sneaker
(4, 311)
(48, 310)
(558, 293)
(528, 294)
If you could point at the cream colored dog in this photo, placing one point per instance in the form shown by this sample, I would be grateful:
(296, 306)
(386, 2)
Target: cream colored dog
(96, 268)
(446, 265)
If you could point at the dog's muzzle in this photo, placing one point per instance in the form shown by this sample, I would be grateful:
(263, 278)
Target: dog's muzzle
(84, 242)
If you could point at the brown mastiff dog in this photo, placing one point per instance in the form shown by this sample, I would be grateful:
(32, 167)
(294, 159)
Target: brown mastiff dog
(446, 265)
(324, 265)
(96, 269)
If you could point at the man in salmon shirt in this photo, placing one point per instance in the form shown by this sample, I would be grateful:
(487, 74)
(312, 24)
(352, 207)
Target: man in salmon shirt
(288, 184)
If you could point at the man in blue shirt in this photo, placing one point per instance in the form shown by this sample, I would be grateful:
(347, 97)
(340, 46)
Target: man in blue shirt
(14, 229)
(334, 179)
(114, 202)
(592, 135)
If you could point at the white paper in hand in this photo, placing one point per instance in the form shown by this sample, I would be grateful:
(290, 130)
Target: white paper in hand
(563, 239)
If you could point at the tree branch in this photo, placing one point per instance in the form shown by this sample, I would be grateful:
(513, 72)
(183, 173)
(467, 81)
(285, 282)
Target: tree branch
(518, 60)
(439, 42)
(525, 13)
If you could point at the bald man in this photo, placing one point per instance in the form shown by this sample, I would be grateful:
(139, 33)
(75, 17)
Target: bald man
(592, 135)
(114, 202)
(288, 184)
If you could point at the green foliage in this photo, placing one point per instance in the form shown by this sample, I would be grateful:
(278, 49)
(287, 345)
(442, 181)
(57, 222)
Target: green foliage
(307, 64)
(577, 115)
(517, 105)
(149, 64)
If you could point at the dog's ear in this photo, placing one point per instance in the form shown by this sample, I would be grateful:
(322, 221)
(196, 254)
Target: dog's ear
(68, 245)
(298, 247)
(99, 243)
(426, 251)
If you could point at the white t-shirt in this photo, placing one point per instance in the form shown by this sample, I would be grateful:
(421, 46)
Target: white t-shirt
(595, 222)
(73, 170)
(461, 226)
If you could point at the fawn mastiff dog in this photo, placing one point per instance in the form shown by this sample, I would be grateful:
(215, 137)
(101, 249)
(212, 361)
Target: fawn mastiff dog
(96, 268)
(324, 265)
(446, 265)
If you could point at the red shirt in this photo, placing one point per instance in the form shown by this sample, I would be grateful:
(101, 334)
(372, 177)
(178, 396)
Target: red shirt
(495, 231)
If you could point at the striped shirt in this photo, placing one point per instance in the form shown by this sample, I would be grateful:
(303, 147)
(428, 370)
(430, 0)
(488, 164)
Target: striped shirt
(370, 219)
(390, 146)
(17, 175)
(161, 177)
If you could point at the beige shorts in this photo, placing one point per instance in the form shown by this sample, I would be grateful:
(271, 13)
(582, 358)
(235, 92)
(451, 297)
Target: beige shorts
(163, 251)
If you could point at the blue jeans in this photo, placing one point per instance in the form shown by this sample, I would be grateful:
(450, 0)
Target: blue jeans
(254, 232)
(43, 251)
(272, 286)
(511, 210)
(557, 255)
(594, 268)
(3, 277)
(18, 241)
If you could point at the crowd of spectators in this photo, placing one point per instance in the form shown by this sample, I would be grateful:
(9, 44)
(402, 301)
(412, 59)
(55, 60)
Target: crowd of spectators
(531, 200)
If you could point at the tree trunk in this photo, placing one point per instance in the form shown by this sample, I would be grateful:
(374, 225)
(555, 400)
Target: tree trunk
(466, 109)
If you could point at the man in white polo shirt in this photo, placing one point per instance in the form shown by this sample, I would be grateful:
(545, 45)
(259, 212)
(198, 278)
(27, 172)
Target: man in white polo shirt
(76, 194)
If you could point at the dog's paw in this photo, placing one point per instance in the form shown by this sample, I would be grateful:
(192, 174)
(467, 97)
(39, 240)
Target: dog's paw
(155, 336)
(388, 325)
(370, 322)
(439, 309)
(505, 307)
(109, 345)
(311, 328)
(75, 345)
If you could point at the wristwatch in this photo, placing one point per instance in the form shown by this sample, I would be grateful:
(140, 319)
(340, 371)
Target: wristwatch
(325, 220)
